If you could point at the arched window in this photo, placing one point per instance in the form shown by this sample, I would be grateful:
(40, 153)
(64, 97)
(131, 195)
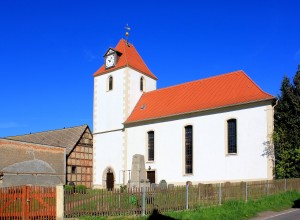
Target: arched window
(189, 149)
(110, 83)
(142, 84)
(231, 136)
(151, 146)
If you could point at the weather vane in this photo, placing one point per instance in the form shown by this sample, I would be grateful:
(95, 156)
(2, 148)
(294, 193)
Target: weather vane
(127, 28)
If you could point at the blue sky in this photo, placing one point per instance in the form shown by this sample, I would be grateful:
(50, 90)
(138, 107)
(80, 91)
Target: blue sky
(50, 49)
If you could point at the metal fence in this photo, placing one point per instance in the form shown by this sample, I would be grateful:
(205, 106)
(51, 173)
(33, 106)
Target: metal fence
(100, 202)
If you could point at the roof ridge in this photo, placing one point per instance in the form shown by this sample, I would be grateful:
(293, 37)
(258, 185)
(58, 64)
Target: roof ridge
(30, 142)
(39, 132)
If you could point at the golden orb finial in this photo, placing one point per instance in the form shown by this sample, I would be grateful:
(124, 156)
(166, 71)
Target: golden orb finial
(127, 28)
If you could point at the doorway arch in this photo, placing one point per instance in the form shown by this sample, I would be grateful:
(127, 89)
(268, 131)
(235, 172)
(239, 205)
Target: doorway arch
(108, 178)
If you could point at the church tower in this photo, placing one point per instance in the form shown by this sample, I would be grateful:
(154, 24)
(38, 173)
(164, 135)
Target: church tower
(118, 85)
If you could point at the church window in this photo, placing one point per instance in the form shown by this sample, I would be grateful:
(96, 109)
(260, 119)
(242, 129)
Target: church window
(231, 136)
(110, 83)
(189, 149)
(151, 146)
(142, 82)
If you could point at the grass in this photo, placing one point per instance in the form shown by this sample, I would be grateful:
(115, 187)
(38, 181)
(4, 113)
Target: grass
(229, 210)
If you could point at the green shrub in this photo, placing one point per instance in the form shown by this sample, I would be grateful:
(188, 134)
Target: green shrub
(80, 189)
(69, 189)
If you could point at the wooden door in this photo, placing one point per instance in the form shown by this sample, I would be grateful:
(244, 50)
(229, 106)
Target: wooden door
(110, 181)
(151, 176)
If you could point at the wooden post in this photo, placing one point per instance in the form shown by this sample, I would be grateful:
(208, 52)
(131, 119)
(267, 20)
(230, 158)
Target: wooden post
(24, 202)
(60, 202)
(143, 200)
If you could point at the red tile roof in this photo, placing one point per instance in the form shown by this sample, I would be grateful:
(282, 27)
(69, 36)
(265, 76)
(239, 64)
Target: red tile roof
(225, 90)
(129, 58)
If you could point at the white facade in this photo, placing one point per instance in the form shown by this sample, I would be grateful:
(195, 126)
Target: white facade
(211, 163)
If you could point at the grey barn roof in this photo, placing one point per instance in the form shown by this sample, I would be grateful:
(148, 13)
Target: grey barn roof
(66, 137)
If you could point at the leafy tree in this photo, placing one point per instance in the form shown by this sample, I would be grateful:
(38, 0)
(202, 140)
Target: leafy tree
(287, 129)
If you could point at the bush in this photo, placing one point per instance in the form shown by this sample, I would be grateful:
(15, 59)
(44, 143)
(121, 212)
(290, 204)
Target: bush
(69, 189)
(80, 189)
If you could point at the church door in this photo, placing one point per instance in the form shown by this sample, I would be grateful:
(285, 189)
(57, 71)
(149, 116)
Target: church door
(151, 176)
(110, 181)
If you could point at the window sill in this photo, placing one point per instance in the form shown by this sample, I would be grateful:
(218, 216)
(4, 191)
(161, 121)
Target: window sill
(231, 154)
(188, 174)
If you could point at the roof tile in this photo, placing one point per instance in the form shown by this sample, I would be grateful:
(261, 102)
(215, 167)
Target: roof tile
(220, 91)
(66, 138)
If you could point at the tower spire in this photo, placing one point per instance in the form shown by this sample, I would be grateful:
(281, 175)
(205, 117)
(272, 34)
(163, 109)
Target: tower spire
(127, 28)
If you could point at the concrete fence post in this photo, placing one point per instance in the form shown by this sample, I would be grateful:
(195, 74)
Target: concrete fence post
(220, 193)
(284, 185)
(187, 195)
(60, 202)
(246, 192)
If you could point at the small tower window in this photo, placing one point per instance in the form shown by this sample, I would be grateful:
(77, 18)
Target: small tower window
(142, 84)
(110, 83)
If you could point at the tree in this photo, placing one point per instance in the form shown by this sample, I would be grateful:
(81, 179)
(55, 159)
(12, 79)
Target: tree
(287, 129)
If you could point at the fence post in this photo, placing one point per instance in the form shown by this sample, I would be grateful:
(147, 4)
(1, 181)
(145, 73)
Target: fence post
(24, 202)
(187, 195)
(60, 202)
(220, 193)
(143, 200)
(246, 192)
(284, 185)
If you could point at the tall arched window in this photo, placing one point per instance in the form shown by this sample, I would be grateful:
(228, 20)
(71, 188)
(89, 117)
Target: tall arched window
(231, 136)
(189, 149)
(142, 84)
(151, 146)
(110, 83)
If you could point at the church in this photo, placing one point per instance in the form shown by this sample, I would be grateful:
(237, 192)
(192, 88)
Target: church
(205, 131)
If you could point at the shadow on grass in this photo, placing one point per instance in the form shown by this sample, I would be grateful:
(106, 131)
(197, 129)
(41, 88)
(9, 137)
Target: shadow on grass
(157, 216)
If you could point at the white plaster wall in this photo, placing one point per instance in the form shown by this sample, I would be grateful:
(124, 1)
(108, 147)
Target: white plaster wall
(108, 105)
(210, 162)
(107, 153)
(134, 87)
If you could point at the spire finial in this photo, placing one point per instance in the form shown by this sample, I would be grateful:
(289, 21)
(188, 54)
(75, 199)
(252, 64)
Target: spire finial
(127, 28)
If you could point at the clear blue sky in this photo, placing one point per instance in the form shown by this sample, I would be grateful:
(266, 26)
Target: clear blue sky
(49, 50)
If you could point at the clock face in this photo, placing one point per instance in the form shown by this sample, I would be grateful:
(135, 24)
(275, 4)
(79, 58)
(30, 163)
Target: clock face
(110, 61)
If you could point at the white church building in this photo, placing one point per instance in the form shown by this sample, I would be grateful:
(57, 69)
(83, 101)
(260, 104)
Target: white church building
(204, 131)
